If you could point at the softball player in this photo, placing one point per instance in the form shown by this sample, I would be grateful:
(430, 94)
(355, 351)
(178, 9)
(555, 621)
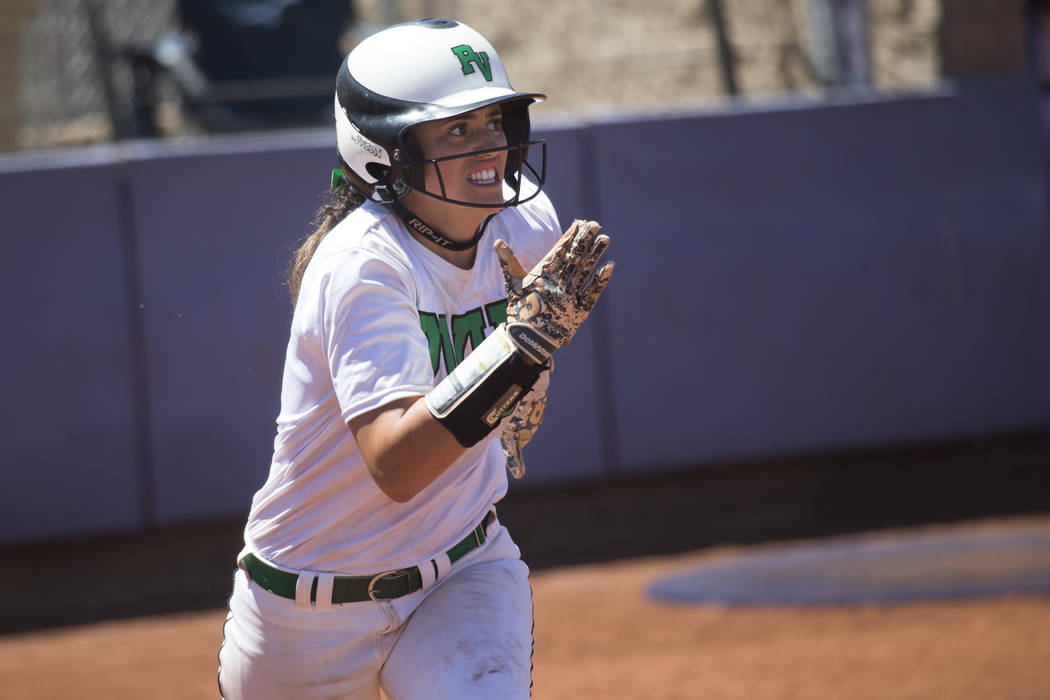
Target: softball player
(415, 372)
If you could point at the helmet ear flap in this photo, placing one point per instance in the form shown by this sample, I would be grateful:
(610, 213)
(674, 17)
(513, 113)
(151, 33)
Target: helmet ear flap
(378, 189)
(516, 128)
(377, 170)
(413, 154)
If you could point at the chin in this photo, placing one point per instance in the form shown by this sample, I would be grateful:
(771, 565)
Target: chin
(494, 198)
(481, 204)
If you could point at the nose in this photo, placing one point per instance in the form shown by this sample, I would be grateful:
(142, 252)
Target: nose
(491, 139)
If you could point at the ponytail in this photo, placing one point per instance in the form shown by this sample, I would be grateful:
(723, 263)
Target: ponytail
(344, 199)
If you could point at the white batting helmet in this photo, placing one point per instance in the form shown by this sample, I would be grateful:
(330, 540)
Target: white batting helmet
(418, 72)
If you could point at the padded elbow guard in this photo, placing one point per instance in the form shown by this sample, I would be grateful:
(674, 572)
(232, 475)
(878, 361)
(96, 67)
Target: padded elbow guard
(488, 383)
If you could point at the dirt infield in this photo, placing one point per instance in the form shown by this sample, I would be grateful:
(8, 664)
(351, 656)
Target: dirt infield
(599, 636)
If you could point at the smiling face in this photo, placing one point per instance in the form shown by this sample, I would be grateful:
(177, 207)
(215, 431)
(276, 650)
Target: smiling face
(475, 178)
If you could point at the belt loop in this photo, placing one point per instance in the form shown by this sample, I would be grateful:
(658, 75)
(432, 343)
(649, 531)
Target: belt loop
(323, 603)
(303, 584)
(443, 564)
(428, 573)
(491, 520)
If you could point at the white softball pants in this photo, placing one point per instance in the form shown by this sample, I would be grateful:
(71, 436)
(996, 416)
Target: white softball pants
(467, 636)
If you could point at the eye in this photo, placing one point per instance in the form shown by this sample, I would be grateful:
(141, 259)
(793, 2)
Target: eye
(495, 124)
(458, 129)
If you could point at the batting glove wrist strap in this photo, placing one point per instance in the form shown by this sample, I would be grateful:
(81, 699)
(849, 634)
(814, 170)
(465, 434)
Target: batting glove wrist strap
(472, 400)
(536, 344)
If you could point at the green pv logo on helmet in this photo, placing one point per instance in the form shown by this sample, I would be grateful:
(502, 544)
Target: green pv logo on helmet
(468, 58)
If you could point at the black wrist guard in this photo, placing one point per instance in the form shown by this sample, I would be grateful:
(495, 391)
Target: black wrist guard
(487, 384)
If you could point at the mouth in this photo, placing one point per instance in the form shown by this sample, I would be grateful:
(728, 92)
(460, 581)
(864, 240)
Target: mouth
(483, 176)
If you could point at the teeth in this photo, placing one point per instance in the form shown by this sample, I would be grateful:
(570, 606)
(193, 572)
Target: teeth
(486, 176)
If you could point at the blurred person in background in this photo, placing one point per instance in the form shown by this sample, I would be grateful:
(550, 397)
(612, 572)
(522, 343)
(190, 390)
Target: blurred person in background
(260, 60)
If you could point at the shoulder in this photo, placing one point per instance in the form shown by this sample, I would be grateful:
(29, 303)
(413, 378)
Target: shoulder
(538, 213)
(530, 228)
(363, 247)
(370, 232)
(371, 228)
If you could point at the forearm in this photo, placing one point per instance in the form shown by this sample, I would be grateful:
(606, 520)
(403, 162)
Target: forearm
(405, 447)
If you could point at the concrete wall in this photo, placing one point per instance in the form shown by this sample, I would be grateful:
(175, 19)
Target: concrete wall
(791, 279)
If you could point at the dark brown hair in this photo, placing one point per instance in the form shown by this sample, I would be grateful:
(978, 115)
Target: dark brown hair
(342, 201)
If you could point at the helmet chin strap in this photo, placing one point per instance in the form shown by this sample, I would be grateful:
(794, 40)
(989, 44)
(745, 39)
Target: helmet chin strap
(432, 234)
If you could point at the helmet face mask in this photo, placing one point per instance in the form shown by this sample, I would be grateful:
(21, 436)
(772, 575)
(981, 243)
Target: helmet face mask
(415, 169)
(383, 91)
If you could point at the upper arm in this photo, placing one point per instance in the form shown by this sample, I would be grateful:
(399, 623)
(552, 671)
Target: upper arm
(373, 343)
(368, 428)
(404, 446)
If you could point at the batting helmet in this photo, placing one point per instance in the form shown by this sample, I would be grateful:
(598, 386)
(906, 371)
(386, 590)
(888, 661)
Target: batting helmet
(417, 72)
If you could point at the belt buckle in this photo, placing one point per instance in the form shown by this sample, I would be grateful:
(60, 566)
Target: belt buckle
(375, 579)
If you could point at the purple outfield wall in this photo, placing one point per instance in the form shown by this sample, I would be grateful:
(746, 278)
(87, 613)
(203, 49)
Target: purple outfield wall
(791, 279)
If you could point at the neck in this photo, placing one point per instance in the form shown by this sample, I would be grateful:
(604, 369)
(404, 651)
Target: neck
(460, 251)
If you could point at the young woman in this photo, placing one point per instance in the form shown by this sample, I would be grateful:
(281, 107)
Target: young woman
(415, 372)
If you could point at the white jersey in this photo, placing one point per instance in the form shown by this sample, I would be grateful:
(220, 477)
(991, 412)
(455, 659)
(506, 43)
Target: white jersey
(381, 317)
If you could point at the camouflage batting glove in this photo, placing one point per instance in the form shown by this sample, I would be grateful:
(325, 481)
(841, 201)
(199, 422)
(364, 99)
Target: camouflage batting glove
(517, 430)
(546, 305)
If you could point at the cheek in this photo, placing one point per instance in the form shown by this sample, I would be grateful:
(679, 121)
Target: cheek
(450, 173)
(452, 178)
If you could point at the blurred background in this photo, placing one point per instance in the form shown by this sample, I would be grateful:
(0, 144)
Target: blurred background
(91, 71)
(831, 311)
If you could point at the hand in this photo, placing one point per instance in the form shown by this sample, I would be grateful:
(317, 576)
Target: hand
(556, 296)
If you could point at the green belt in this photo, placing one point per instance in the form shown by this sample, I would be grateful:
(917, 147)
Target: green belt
(356, 589)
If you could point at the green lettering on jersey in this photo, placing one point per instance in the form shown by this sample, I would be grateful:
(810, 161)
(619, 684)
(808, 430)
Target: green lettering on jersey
(496, 312)
(435, 327)
(470, 326)
(449, 341)
(468, 58)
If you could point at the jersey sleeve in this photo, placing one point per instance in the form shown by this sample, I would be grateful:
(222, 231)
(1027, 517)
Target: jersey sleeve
(374, 346)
